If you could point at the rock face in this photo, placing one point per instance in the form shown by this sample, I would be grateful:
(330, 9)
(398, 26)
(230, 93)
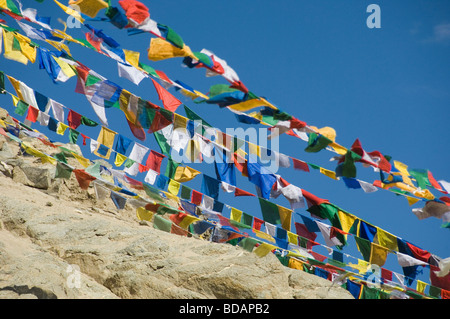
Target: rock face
(58, 241)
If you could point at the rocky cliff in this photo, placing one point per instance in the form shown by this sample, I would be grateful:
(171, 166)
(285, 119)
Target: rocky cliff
(59, 241)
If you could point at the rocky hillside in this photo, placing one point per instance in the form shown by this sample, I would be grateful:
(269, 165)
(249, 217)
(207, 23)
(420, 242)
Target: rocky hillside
(59, 241)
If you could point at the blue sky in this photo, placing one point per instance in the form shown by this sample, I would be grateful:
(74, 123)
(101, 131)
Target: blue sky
(318, 61)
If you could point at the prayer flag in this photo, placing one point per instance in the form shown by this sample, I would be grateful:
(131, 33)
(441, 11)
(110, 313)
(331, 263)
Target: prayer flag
(90, 7)
(83, 178)
(135, 11)
(261, 177)
(161, 49)
(185, 174)
(170, 102)
(106, 138)
(210, 186)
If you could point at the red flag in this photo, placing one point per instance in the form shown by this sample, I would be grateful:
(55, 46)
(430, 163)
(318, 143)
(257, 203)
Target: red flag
(84, 138)
(94, 41)
(241, 192)
(196, 197)
(137, 131)
(298, 164)
(135, 10)
(170, 102)
(73, 119)
(154, 160)
(159, 122)
(83, 178)
(313, 199)
(32, 114)
(152, 207)
(296, 123)
(257, 223)
(419, 253)
(434, 183)
(303, 231)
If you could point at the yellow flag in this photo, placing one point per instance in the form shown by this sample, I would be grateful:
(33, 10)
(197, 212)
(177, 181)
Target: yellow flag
(48, 159)
(106, 138)
(292, 238)
(264, 235)
(328, 132)
(200, 94)
(10, 53)
(235, 214)
(424, 193)
(173, 187)
(328, 173)
(61, 128)
(295, 264)
(143, 214)
(70, 11)
(120, 159)
(339, 149)
(15, 100)
(161, 49)
(187, 220)
(132, 57)
(386, 239)
(421, 286)
(179, 121)
(249, 104)
(65, 67)
(264, 249)
(285, 217)
(90, 7)
(254, 149)
(184, 174)
(378, 254)
(412, 200)
(83, 161)
(347, 220)
(404, 172)
(16, 85)
(28, 50)
(362, 266)
(193, 152)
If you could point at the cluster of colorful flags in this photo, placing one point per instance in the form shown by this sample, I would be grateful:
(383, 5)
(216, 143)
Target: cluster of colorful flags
(174, 132)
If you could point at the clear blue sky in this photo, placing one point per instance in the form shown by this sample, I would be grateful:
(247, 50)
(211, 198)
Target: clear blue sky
(389, 87)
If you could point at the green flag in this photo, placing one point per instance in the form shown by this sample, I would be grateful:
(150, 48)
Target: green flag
(73, 136)
(161, 223)
(347, 168)
(162, 142)
(317, 142)
(62, 171)
(171, 168)
(21, 108)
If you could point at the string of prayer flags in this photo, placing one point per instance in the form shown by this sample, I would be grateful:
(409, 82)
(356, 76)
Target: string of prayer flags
(367, 250)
